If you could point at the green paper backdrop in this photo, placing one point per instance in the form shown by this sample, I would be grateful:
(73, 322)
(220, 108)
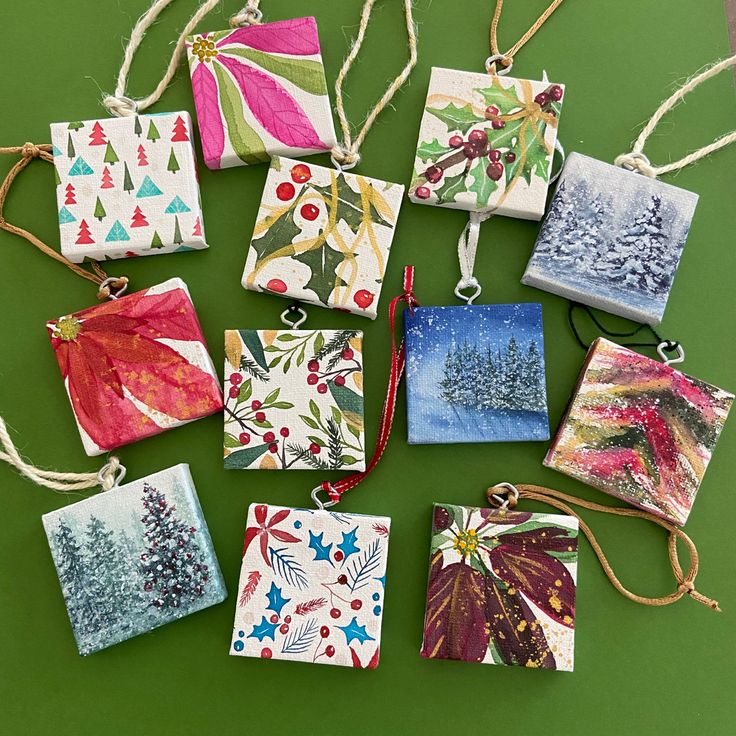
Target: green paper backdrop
(638, 670)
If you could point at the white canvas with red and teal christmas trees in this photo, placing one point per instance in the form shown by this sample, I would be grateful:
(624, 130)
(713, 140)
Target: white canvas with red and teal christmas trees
(134, 558)
(311, 586)
(127, 187)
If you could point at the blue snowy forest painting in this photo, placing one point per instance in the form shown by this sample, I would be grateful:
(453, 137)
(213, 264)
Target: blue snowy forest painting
(134, 558)
(476, 374)
(612, 239)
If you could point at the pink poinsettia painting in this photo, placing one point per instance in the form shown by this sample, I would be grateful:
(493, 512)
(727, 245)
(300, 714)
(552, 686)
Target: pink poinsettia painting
(135, 367)
(260, 91)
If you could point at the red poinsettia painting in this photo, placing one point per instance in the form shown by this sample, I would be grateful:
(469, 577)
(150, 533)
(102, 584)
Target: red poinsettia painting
(135, 366)
(501, 587)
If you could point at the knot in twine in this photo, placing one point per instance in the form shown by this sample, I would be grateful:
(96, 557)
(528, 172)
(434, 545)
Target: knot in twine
(504, 496)
(112, 287)
(636, 161)
(249, 15)
(344, 157)
(121, 106)
(30, 150)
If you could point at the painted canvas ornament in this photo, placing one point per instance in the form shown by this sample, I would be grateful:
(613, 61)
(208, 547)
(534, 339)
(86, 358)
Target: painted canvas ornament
(323, 236)
(614, 234)
(127, 187)
(260, 90)
(475, 373)
(639, 430)
(311, 586)
(135, 366)
(501, 587)
(294, 400)
(312, 580)
(134, 558)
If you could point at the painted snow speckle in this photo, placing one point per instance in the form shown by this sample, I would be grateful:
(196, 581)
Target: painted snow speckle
(640, 430)
(294, 400)
(311, 587)
(134, 558)
(127, 187)
(259, 91)
(486, 143)
(476, 374)
(501, 587)
(323, 236)
(612, 239)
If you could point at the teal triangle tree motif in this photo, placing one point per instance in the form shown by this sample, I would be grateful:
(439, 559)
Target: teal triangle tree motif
(81, 168)
(65, 216)
(117, 233)
(148, 189)
(56, 151)
(177, 206)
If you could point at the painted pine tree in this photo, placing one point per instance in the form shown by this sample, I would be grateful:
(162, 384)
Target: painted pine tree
(76, 125)
(560, 211)
(156, 240)
(153, 134)
(137, 127)
(142, 159)
(99, 210)
(103, 568)
(107, 182)
(173, 165)
(450, 382)
(127, 181)
(110, 156)
(97, 136)
(84, 236)
(70, 151)
(180, 131)
(487, 382)
(70, 194)
(177, 231)
(173, 571)
(532, 376)
(138, 219)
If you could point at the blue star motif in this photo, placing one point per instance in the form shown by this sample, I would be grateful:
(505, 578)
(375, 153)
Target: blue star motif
(354, 631)
(321, 550)
(263, 630)
(348, 545)
(276, 601)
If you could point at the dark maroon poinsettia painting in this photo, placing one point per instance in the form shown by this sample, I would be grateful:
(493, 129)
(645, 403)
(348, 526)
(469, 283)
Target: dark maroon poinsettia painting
(501, 587)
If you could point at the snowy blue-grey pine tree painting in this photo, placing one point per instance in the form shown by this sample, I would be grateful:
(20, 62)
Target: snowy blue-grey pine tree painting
(134, 558)
(476, 374)
(612, 239)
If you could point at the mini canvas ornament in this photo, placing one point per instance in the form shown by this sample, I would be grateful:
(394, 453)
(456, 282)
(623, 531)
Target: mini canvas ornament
(475, 373)
(134, 558)
(127, 187)
(614, 234)
(501, 587)
(311, 586)
(135, 366)
(294, 400)
(639, 430)
(323, 236)
(312, 581)
(260, 90)
(486, 143)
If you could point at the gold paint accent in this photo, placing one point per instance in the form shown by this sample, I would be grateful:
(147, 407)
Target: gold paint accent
(68, 328)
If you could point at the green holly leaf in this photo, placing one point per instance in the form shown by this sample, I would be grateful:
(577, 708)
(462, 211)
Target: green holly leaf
(350, 403)
(455, 117)
(451, 187)
(240, 459)
(348, 459)
(231, 440)
(314, 409)
(309, 422)
(483, 186)
(323, 263)
(272, 396)
(246, 391)
(506, 100)
(536, 160)
(280, 234)
(432, 151)
(253, 343)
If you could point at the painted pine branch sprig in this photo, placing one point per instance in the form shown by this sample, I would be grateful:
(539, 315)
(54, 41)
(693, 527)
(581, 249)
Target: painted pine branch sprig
(478, 142)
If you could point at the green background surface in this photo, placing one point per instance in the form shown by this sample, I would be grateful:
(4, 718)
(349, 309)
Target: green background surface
(637, 670)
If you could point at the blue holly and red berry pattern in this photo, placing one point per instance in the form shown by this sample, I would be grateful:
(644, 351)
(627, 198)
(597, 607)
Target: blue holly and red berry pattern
(127, 187)
(311, 587)
(294, 400)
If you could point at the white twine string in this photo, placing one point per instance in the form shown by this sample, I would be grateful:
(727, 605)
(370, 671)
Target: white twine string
(467, 247)
(248, 15)
(108, 477)
(637, 161)
(347, 155)
(121, 105)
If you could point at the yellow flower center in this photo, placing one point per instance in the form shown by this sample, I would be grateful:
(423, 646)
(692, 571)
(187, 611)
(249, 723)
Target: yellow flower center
(466, 542)
(67, 328)
(204, 49)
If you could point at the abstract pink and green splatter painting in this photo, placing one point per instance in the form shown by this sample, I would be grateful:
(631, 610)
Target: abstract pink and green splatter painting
(640, 430)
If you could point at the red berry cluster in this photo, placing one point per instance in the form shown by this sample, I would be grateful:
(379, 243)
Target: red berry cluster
(301, 174)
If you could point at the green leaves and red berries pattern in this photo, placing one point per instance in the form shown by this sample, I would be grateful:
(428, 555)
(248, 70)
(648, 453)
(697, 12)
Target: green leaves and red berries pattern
(294, 400)
(486, 143)
(501, 587)
(127, 187)
(323, 236)
(311, 587)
